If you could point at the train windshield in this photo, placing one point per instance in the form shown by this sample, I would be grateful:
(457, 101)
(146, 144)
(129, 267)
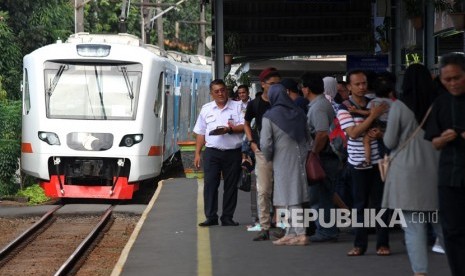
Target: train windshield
(92, 91)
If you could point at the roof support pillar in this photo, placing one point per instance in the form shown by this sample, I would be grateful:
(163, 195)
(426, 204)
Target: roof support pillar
(218, 47)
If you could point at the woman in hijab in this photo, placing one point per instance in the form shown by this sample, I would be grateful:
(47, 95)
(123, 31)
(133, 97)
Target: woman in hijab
(411, 182)
(284, 141)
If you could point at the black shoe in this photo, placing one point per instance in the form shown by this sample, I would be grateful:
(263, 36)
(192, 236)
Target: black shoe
(209, 222)
(228, 222)
(263, 235)
(278, 234)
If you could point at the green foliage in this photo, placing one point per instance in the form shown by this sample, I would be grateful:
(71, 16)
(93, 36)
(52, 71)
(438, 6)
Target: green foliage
(232, 43)
(2, 91)
(10, 120)
(103, 17)
(35, 193)
(27, 26)
(9, 157)
(189, 33)
(10, 63)
(10, 141)
(36, 23)
(244, 78)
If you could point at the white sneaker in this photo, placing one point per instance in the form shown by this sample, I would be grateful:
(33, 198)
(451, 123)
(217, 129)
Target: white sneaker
(255, 228)
(281, 225)
(438, 248)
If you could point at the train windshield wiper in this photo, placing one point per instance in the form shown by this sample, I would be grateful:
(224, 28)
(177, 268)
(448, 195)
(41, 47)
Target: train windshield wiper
(100, 93)
(126, 79)
(55, 80)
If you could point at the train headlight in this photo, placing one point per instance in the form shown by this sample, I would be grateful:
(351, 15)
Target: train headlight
(50, 138)
(130, 139)
(93, 50)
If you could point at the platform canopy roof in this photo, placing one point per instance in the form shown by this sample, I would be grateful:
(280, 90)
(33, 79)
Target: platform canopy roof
(276, 28)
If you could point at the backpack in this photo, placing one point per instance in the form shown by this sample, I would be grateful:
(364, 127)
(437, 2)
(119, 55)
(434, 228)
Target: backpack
(338, 140)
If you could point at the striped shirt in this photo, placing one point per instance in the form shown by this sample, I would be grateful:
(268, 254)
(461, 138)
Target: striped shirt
(355, 147)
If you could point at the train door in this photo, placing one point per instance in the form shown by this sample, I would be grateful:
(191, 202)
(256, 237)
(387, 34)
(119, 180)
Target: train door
(194, 101)
(177, 103)
(169, 112)
(186, 87)
(159, 108)
(203, 90)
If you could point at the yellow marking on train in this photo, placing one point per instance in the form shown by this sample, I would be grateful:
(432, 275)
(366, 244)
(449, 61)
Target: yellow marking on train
(204, 256)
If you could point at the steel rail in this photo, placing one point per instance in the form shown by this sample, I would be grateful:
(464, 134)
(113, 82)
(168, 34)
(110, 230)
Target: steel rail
(27, 233)
(81, 249)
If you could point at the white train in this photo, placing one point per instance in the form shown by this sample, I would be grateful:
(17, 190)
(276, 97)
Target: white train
(101, 113)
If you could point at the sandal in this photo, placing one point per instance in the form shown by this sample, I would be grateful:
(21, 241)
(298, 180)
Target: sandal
(356, 251)
(383, 251)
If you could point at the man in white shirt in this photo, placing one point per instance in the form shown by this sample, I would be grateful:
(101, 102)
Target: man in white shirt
(220, 127)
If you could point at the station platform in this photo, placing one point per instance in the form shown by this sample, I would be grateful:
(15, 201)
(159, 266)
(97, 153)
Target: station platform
(167, 241)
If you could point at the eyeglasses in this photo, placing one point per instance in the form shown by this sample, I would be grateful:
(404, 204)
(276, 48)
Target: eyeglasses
(218, 91)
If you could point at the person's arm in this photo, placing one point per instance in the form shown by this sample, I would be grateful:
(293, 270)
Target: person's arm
(357, 130)
(249, 136)
(354, 110)
(236, 129)
(446, 137)
(319, 144)
(266, 139)
(199, 142)
(393, 129)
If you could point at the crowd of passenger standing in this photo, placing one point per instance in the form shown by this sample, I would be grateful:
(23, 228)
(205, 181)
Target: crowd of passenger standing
(422, 131)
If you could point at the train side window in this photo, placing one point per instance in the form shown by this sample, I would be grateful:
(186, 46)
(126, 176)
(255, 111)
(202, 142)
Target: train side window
(159, 99)
(26, 94)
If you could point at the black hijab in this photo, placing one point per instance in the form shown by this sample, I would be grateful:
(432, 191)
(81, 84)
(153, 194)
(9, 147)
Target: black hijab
(418, 90)
(285, 114)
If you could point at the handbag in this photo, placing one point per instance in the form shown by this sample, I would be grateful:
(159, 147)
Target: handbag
(383, 166)
(245, 182)
(384, 163)
(314, 169)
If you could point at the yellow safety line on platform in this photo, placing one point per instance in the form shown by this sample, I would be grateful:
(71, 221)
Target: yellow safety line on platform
(124, 255)
(204, 256)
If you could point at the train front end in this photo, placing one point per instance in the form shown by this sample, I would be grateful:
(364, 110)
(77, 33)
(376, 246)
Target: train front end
(86, 133)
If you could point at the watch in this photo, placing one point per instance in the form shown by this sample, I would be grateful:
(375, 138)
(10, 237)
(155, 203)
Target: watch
(230, 131)
(250, 142)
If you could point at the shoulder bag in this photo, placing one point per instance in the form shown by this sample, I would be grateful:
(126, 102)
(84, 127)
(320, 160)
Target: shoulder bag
(314, 169)
(384, 163)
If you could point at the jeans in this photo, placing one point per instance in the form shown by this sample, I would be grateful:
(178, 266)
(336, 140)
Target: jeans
(321, 194)
(367, 187)
(344, 186)
(416, 240)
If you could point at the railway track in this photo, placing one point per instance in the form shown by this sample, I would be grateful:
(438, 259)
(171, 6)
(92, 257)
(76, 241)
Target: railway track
(54, 245)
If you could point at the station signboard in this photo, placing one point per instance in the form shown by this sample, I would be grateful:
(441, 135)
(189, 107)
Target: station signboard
(375, 63)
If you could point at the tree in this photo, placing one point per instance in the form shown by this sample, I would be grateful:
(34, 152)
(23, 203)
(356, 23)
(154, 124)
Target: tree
(189, 32)
(103, 17)
(36, 23)
(10, 64)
